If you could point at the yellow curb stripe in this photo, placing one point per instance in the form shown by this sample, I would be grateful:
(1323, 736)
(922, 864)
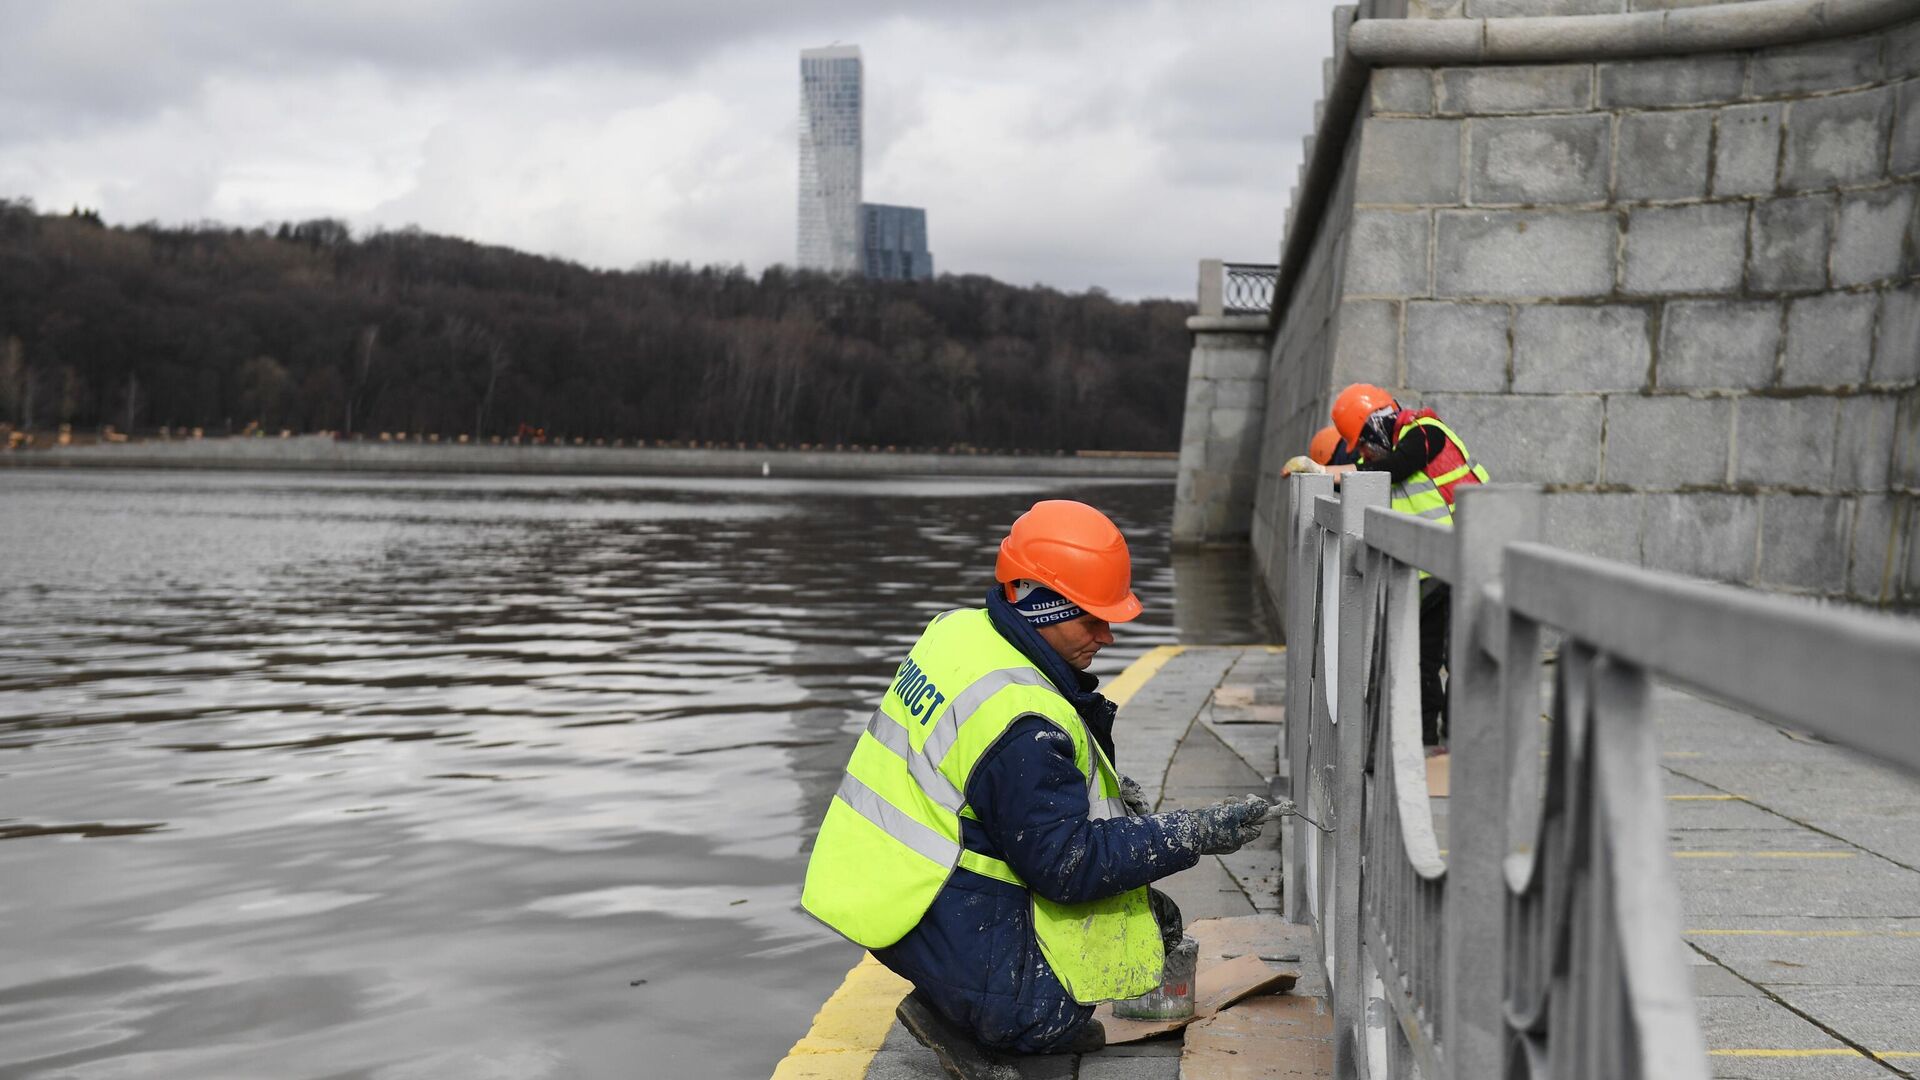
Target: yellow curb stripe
(1128, 683)
(1804, 933)
(1834, 1051)
(849, 1028)
(1764, 854)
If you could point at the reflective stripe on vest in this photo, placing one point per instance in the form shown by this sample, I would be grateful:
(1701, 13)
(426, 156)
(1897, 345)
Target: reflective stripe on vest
(891, 836)
(896, 822)
(1427, 497)
(946, 732)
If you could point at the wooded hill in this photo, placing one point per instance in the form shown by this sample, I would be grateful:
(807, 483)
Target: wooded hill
(308, 328)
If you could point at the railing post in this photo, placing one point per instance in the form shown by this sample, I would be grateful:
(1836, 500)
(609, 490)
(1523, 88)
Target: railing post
(1302, 584)
(1360, 490)
(1213, 288)
(1486, 519)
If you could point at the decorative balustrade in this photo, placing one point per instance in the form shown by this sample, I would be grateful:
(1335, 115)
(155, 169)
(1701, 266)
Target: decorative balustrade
(1249, 288)
(1229, 288)
(1544, 940)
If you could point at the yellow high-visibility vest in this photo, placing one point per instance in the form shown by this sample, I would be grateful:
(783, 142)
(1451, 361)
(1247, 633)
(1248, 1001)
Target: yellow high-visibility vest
(1421, 495)
(891, 837)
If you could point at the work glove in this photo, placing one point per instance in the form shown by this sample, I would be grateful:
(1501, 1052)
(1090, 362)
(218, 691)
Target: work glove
(1301, 463)
(1230, 825)
(1166, 914)
(1134, 796)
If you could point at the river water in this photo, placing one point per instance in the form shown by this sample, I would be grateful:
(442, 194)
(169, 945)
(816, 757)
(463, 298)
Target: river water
(314, 776)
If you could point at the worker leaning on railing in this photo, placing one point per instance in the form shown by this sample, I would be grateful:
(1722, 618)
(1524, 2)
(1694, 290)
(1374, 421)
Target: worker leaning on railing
(1327, 448)
(1427, 462)
(981, 843)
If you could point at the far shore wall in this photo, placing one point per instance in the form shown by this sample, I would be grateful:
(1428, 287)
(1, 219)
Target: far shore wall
(325, 454)
(1681, 293)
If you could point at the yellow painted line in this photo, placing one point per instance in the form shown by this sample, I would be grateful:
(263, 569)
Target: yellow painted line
(1834, 1051)
(1805, 933)
(1764, 854)
(1707, 798)
(1128, 682)
(849, 1028)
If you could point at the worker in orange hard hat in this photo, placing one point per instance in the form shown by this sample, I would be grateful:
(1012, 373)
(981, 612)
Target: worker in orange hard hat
(1325, 445)
(1425, 459)
(982, 844)
(1326, 448)
(1427, 463)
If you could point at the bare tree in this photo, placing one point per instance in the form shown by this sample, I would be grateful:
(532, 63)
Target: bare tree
(362, 370)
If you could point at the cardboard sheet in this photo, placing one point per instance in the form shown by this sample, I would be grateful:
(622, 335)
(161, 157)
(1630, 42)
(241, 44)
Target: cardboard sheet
(1265, 1039)
(1439, 776)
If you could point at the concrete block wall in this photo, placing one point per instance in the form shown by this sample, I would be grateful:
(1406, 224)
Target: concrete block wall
(1221, 431)
(1682, 292)
(1306, 359)
(1495, 9)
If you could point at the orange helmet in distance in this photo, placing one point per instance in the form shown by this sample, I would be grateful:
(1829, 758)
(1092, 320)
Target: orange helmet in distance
(1354, 405)
(1077, 552)
(1325, 442)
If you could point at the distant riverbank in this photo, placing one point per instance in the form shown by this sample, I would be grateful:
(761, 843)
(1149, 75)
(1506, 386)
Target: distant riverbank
(330, 455)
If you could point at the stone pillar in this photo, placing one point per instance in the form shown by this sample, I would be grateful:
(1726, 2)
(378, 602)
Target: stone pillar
(1225, 420)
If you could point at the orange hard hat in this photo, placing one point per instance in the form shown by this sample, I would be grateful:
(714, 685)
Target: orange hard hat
(1354, 405)
(1325, 441)
(1077, 552)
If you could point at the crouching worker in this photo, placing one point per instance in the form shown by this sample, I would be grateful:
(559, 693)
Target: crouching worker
(981, 843)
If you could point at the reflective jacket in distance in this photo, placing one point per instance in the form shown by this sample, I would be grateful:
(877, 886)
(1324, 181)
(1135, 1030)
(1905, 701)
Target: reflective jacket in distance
(1428, 493)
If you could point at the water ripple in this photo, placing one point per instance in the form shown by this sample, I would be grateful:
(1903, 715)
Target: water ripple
(396, 777)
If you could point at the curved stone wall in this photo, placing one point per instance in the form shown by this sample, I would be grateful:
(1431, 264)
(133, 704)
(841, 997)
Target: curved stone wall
(1683, 292)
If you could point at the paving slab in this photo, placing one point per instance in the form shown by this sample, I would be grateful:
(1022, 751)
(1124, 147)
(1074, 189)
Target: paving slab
(1284, 1036)
(1796, 866)
(1772, 1042)
(1153, 720)
(1247, 710)
(1884, 1019)
(1130, 1068)
(1873, 960)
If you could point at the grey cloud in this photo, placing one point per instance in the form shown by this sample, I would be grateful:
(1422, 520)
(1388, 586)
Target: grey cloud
(1127, 139)
(76, 64)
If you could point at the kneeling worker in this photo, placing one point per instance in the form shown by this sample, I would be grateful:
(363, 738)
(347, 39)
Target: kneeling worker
(981, 843)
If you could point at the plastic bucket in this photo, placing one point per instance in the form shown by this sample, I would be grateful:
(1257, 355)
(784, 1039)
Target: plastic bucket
(1174, 999)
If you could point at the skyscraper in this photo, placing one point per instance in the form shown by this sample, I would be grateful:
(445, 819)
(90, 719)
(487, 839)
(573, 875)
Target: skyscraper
(830, 112)
(894, 242)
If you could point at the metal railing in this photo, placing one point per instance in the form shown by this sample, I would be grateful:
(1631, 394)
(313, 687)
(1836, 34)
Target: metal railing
(1545, 939)
(1249, 288)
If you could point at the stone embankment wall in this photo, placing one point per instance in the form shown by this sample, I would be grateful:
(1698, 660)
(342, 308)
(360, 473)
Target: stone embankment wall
(1682, 291)
(1220, 434)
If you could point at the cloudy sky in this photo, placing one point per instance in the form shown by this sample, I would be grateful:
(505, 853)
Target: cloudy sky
(1071, 142)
